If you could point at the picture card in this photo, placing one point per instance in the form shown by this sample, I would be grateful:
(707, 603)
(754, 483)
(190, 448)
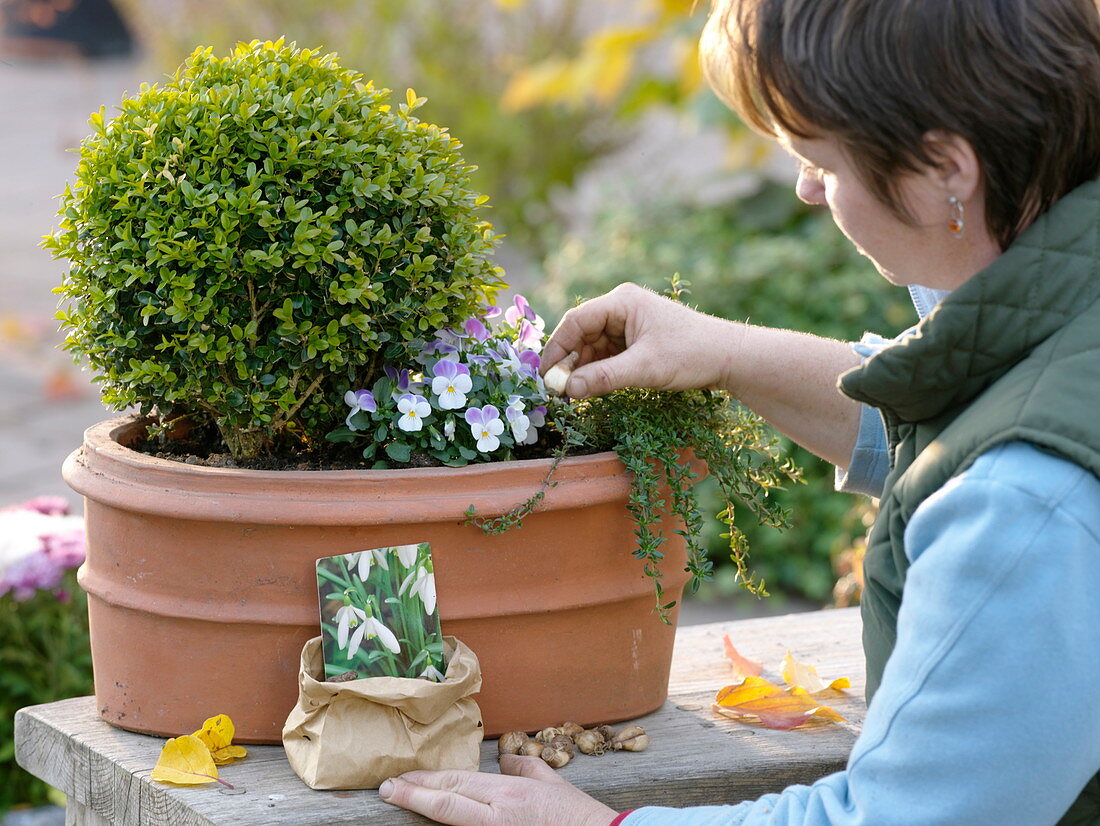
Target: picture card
(378, 614)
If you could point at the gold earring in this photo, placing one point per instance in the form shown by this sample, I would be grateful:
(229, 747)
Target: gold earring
(957, 222)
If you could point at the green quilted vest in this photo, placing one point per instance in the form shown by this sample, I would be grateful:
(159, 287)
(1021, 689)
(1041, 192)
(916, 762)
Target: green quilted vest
(1013, 354)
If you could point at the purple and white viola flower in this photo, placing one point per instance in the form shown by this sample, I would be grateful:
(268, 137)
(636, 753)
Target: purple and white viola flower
(475, 328)
(451, 337)
(486, 426)
(519, 423)
(438, 347)
(519, 309)
(519, 364)
(530, 362)
(413, 409)
(530, 336)
(479, 359)
(359, 400)
(404, 382)
(451, 384)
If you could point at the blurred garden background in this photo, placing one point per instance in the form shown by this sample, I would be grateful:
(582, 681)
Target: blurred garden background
(605, 157)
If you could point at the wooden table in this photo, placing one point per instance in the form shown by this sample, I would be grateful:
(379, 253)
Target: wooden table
(695, 756)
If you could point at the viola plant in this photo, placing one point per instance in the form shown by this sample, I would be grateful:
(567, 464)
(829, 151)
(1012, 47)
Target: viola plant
(473, 394)
(378, 613)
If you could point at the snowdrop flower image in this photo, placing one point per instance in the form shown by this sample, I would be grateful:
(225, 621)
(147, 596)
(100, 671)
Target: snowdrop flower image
(407, 554)
(432, 673)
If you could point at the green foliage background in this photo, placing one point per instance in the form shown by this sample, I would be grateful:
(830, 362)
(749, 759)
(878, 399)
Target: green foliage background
(44, 656)
(769, 260)
(457, 53)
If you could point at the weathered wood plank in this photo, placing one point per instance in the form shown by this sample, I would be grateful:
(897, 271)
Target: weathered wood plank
(695, 757)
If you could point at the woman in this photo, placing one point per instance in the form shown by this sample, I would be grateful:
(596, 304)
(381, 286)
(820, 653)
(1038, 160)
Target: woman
(956, 143)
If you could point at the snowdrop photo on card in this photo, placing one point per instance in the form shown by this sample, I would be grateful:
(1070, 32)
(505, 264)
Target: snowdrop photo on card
(378, 614)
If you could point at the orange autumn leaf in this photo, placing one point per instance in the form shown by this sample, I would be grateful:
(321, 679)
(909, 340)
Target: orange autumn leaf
(773, 706)
(806, 676)
(742, 667)
(186, 761)
(217, 735)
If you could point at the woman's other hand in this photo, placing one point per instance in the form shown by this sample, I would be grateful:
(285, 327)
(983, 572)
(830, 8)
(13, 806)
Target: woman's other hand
(633, 337)
(526, 793)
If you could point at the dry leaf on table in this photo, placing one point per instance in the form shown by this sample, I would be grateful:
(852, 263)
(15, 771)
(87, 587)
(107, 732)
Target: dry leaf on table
(806, 676)
(742, 667)
(217, 734)
(186, 761)
(775, 707)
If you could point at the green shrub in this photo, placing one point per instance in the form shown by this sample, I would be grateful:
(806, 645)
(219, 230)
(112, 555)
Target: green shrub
(44, 656)
(769, 260)
(252, 239)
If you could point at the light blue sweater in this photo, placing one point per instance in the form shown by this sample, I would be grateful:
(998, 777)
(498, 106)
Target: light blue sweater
(986, 713)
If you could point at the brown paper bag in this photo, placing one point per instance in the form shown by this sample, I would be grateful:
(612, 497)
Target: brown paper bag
(354, 735)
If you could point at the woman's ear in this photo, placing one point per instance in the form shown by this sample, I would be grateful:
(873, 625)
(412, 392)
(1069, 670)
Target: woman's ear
(955, 164)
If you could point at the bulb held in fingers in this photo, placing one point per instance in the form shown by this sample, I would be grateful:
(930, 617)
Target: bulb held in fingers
(557, 377)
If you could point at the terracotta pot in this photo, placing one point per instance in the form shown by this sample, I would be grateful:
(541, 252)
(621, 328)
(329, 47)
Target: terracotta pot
(201, 584)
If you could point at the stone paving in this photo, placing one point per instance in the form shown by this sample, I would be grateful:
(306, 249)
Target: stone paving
(45, 401)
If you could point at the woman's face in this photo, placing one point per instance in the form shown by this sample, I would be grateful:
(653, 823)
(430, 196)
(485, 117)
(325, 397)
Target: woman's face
(924, 252)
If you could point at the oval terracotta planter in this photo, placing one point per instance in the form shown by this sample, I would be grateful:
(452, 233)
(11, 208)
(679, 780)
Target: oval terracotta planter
(201, 585)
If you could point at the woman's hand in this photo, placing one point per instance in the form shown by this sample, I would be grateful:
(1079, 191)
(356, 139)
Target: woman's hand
(633, 337)
(526, 793)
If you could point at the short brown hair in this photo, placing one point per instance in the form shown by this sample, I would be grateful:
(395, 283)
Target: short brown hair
(1019, 79)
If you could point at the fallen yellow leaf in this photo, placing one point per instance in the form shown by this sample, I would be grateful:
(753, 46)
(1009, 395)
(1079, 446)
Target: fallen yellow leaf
(774, 707)
(217, 735)
(186, 761)
(806, 676)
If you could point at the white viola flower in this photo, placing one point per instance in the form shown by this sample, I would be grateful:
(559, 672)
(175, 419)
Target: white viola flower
(371, 628)
(407, 554)
(519, 423)
(486, 425)
(347, 617)
(413, 409)
(536, 417)
(451, 384)
(430, 672)
(359, 400)
(449, 430)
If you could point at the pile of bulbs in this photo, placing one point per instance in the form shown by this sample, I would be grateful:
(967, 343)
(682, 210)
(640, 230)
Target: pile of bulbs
(559, 744)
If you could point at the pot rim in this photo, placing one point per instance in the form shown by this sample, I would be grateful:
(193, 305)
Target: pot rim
(104, 470)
